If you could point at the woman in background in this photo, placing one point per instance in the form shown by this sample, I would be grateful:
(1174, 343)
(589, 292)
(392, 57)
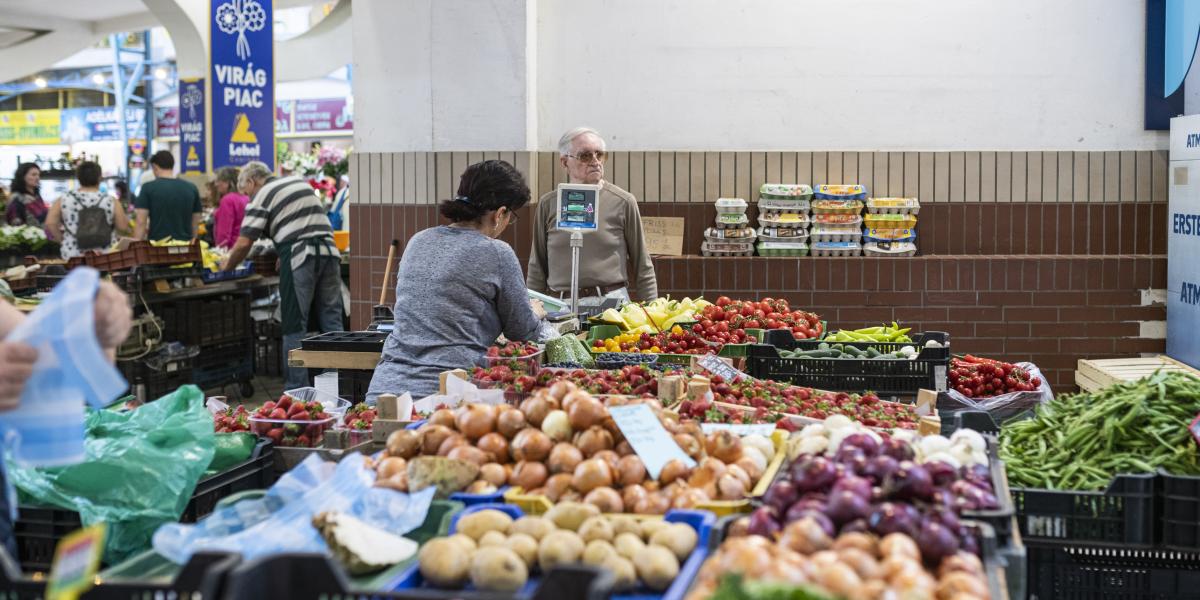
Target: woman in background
(85, 218)
(231, 208)
(25, 206)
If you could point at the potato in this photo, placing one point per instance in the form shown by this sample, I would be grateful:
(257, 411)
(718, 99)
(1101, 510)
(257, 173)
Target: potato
(625, 525)
(525, 546)
(596, 528)
(444, 563)
(493, 538)
(624, 575)
(628, 544)
(676, 537)
(498, 569)
(651, 526)
(535, 527)
(597, 552)
(558, 548)
(656, 566)
(570, 515)
(465, 540)
(476, 524)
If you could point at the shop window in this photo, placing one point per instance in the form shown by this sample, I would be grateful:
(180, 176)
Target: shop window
(85, 98)
(39, 100)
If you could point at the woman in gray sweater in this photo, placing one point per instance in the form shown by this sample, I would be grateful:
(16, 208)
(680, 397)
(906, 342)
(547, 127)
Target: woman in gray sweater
(458, 287)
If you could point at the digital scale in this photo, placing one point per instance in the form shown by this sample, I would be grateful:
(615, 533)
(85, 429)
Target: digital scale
(578, 212)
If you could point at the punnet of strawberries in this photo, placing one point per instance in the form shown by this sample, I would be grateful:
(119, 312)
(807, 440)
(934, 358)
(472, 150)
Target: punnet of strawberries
(360, 417)
(231, 420)
(630, 380)
(978, 377)
(513, 350)
(727, 320)
(291, 422)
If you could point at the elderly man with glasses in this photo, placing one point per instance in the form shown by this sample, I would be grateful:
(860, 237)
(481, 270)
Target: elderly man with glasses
(617, 240)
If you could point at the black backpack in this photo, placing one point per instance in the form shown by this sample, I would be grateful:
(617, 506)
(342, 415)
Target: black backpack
(92, 231)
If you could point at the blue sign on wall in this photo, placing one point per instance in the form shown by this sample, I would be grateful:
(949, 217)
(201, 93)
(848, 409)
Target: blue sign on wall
(192, 143)
(100, 124)
(243, 83)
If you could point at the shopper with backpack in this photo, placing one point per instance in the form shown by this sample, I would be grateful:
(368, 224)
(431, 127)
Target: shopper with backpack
(85, 218)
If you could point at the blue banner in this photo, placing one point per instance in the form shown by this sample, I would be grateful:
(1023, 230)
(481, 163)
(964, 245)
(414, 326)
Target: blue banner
(243, 83)
(100, 124)
(192, 143)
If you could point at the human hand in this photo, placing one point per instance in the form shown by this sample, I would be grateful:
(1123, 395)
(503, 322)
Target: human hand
(16, 366)
(113, 316)
(539, 309)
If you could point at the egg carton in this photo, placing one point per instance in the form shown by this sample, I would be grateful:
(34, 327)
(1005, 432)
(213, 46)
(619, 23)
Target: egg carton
(890, 221)
(728, 221)
(782, 249)
(889, 249)
(889, 235)
(788, 220)
(834, 234)
(745, 234)
(846, 220)
(893, 206)
(782, 233)
(789, 205)
(835, 249)
(730, 206)
(708, 249)
(840, 192)
(785, 190)
(837, 207)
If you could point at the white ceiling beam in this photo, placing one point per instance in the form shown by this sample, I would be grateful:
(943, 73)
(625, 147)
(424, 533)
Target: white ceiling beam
(123, 23)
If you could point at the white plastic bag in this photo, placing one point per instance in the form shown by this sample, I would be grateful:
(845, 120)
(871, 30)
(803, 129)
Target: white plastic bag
(1005, 406)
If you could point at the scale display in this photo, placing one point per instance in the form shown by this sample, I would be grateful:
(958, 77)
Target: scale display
(578, 206)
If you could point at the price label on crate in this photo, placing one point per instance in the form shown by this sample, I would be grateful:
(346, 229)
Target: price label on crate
(76, 561)
(713, 364)
(1195, 428)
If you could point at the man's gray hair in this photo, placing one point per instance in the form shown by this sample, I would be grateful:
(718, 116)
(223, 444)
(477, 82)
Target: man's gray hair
(564, 142)
(253, 171)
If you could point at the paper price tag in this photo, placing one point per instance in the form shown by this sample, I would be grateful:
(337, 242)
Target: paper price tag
(1194, 428)
(649, 440)
(713, 364)
(76, 561)
(739, 428)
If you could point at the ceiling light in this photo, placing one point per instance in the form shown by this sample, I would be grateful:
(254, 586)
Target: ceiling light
(40, 82)
(98, 79)
(160, 73)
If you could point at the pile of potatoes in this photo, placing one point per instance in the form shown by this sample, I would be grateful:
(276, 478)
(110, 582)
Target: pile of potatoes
(494, 552)
(562, 443)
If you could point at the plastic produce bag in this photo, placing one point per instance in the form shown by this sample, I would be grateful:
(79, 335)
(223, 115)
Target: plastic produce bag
(1005, 406)
(281, 521)
(140, 470)
(230, 449)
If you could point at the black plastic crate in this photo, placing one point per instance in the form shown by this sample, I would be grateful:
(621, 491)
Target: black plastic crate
(255, 473)
(228, 353)
(268, 348)
(156, 383)
(999, 519)
(887, 378)
(353, 384)
(978, 420)
(346, 341)
(1087, 572)
(313, 577)
(203, 576)
(1123, 514)
(1180, 511)
(208, 321)
(782, 338)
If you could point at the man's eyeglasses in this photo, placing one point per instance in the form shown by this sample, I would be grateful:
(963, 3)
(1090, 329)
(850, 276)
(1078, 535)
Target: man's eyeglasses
(587, 157)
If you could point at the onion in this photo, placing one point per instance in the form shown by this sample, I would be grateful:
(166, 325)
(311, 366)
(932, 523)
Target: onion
(591, 474)
(741, 474)
(805, 536)
(528, 475)
(593, 440)
(724, 445)
(845, 506)
(584, 411)
(631, 471)
(708, 471)
(480, 486)
(451, 442)
(443, 417)
(690, 498)
(856, 540)
(536, 408)
(471, 454)
(674, 469)
(389, 466)
(749, 466)
(564, 457)
(632, 494)
(560, 389)
(959, 584)
(764, 522)
(655, 503)
(730, 487)
(936, 542)
(624, 449)
(530, 445)
(759, 443)
(606, 499)
(494, 474)
(610, 458)
(476, 421)
(557, 425)
(566, 401)
(510, 421)
(689, 445)
(404, 443)
(556, 485)
(432, 437)
(494, 444)
(898, 544)
(398, 482)
(571, 496)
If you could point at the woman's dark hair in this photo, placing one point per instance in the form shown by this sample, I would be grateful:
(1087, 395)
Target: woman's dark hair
(88, 173)
(122, 189)
(18, 184)
(485, 187)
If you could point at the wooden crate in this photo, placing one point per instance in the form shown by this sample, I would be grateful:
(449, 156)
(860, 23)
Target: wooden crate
(1092, 375)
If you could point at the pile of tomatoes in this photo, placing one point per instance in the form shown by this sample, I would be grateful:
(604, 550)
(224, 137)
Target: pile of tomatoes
(727, 320)
(977, 377)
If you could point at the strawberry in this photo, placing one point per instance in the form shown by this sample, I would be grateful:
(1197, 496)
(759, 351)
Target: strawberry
(285, 401)
(276, 435)
(303, 442)
(269, 406)
(279, 414)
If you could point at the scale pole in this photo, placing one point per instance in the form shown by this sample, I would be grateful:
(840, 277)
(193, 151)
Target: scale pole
(576, 245)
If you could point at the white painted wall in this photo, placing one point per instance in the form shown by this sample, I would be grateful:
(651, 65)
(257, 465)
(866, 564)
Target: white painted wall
(844, 74)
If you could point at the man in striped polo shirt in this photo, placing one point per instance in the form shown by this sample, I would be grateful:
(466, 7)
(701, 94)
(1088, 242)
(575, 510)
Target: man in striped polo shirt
(287, 210)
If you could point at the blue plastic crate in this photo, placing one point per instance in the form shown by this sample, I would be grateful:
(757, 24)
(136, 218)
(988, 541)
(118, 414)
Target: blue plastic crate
(700, 520)
(246, 270)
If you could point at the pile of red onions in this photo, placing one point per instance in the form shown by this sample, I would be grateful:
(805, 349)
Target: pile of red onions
(875, 487)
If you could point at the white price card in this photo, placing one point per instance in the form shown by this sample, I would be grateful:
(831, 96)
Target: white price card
(650, 441)
(713, 364)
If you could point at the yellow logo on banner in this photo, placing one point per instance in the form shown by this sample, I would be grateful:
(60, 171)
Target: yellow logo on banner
(241, 131)
(30, 127)
(191, 155)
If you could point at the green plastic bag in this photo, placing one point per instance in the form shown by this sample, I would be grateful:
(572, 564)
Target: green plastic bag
(141, 470)
(231, 449)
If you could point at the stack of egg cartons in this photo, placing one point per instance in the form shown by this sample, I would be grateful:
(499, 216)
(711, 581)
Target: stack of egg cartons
(732, 235)
(783, 219)
(837, 220)
(889, 229)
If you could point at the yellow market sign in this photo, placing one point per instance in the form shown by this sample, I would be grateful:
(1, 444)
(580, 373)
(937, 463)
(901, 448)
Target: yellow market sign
(30, 127)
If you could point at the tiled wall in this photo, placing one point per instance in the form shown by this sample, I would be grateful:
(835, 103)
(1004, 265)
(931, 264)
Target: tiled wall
(1015, 246)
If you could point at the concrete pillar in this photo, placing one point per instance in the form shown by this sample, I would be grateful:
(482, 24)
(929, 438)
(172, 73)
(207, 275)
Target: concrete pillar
(435, 75)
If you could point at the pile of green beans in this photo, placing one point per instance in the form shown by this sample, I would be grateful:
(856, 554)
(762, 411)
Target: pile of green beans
(1079, 441)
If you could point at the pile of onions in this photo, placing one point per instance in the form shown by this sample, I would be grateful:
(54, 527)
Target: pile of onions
(562, 443)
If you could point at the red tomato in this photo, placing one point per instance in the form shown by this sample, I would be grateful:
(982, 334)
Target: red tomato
(752, 324)
(723, 301)
(747, 311)
(722, 327)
